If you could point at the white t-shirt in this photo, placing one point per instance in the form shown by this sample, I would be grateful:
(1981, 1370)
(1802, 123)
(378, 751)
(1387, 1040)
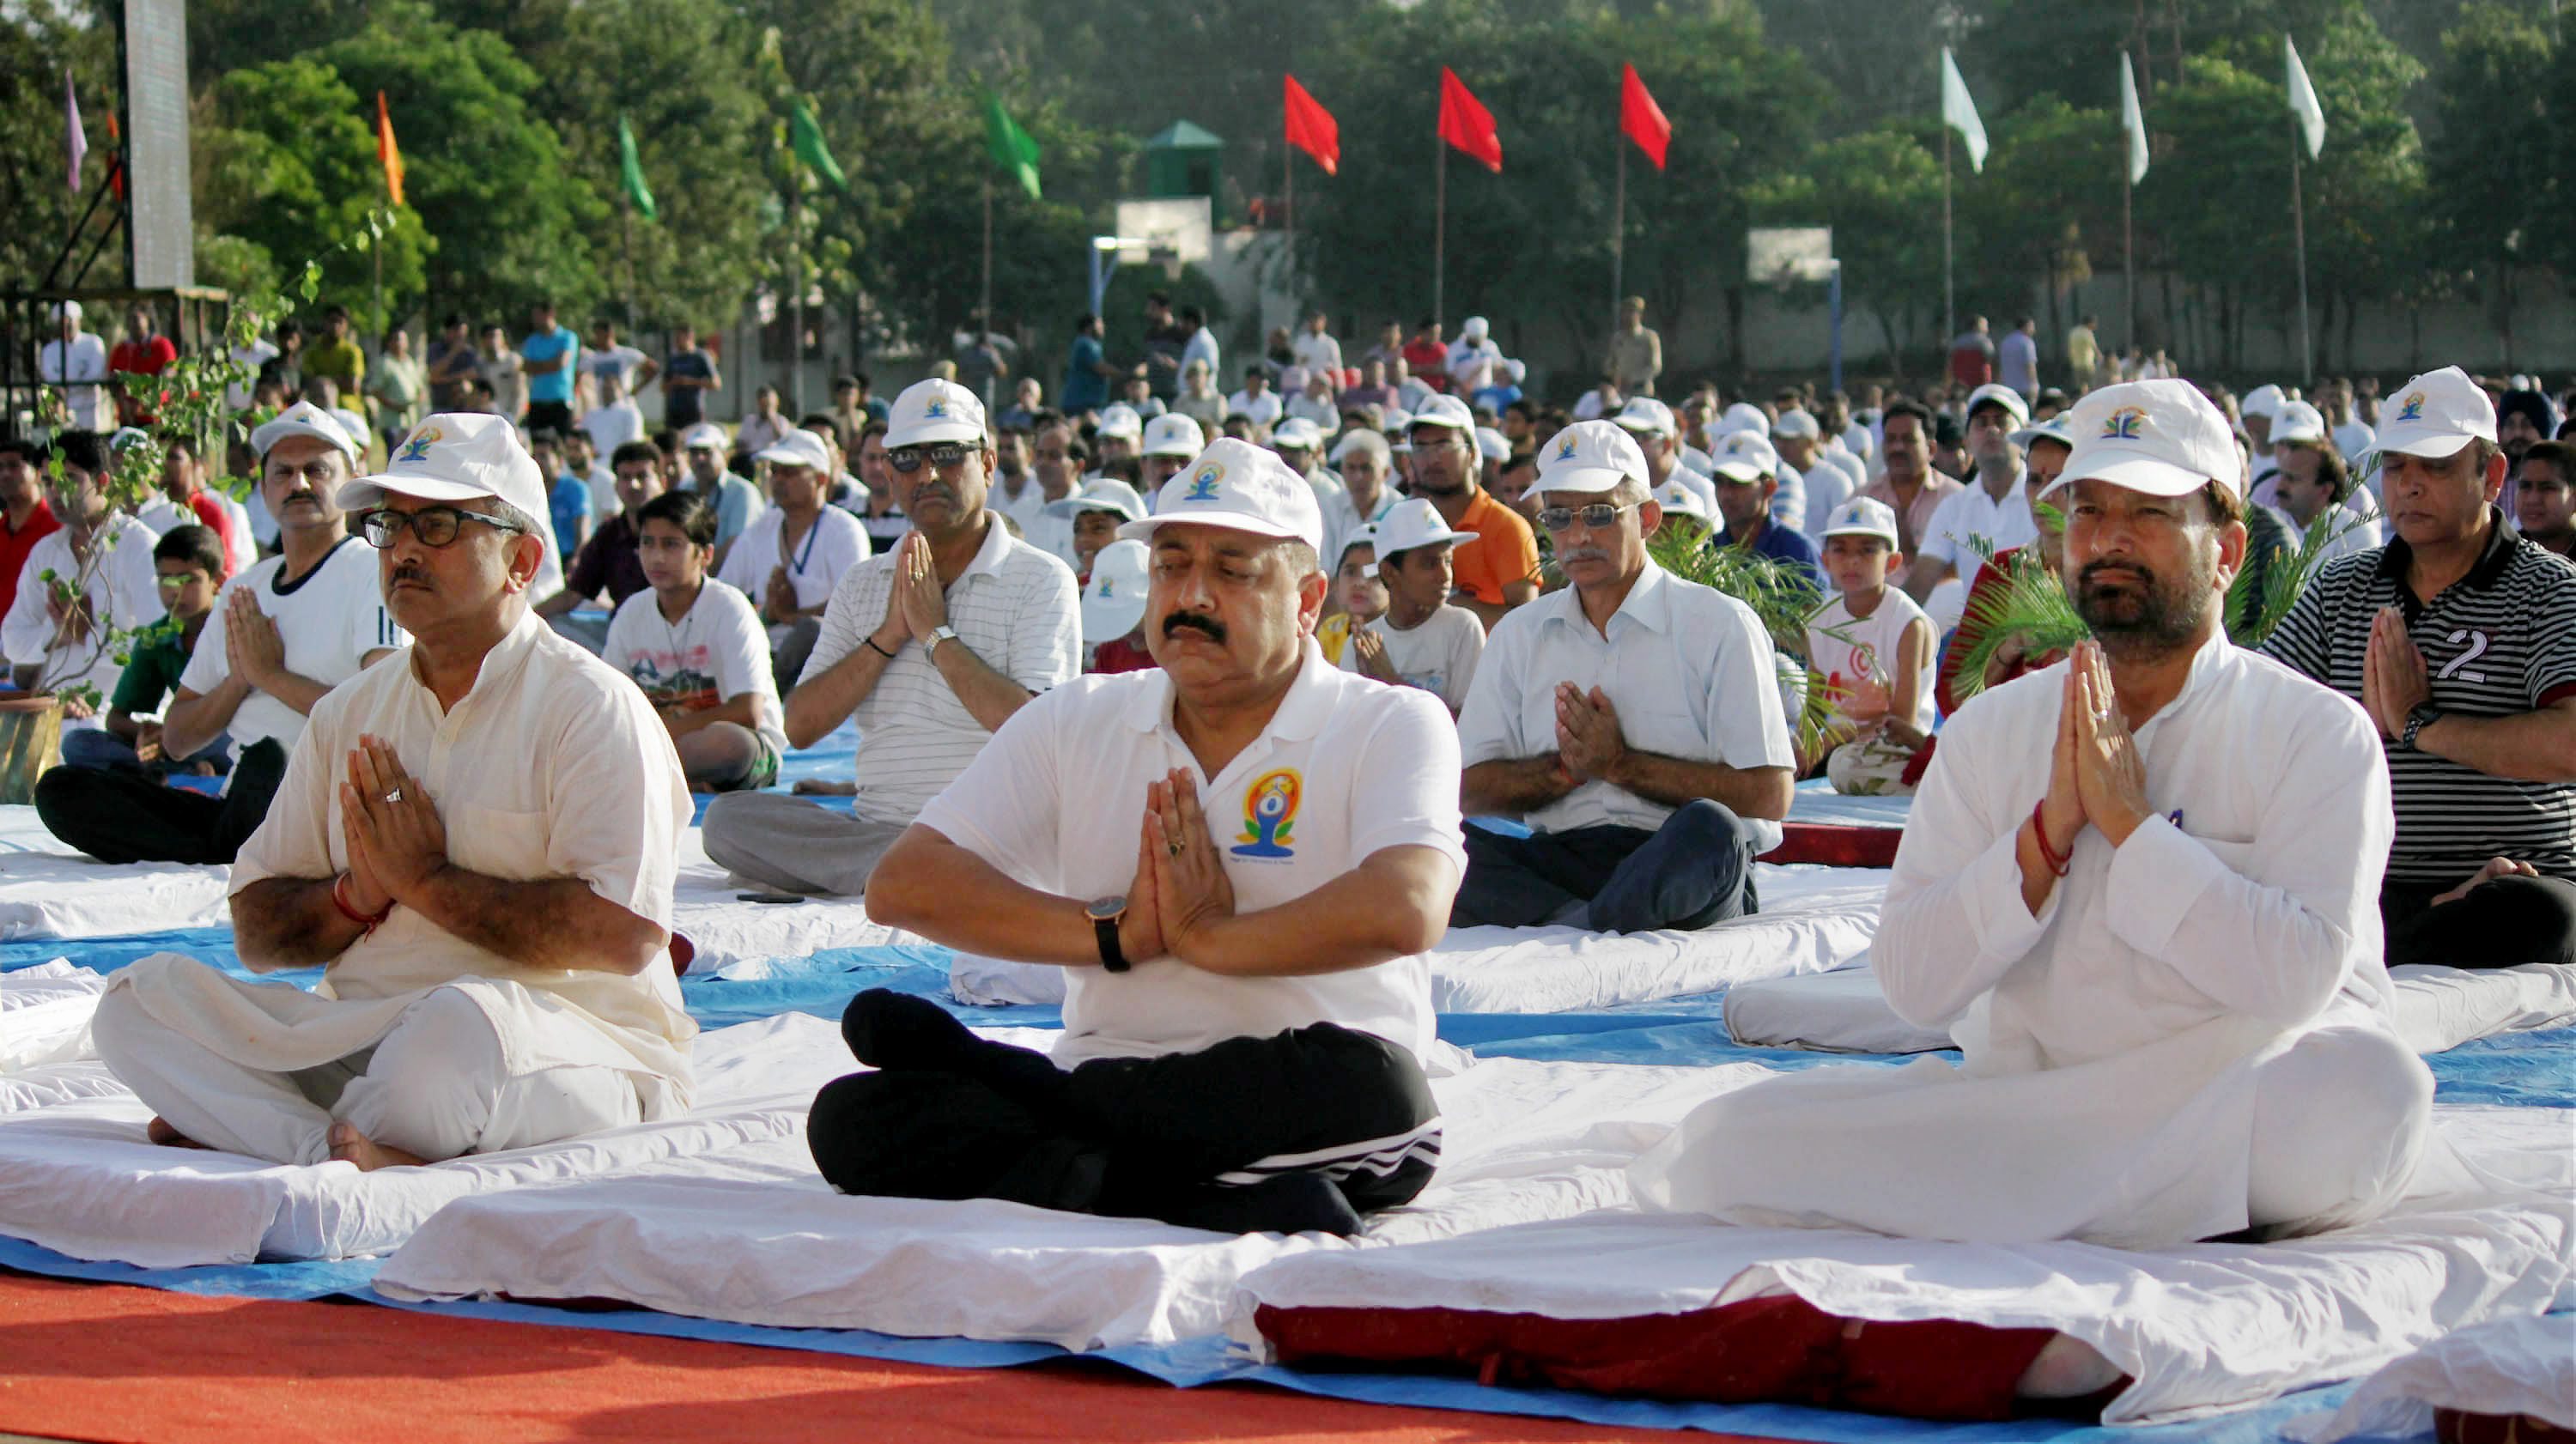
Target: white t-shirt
(1317, 353)
(258, 353)
(1345, 769)
(1323, 411)
(714, 654)
(1342, 521)
(1969, 514)
(87, 361)
(611, 427)
(830, 547)
(619, 362)
(1844, 649)
(1438, 656)
(1829, 485)
(1687, 667)
(123, 594)
(330, 619)
(1263, 410)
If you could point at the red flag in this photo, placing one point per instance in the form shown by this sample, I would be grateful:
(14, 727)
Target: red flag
(1641, 120)
(1311, 128)
(1466, 123)
(387, 151)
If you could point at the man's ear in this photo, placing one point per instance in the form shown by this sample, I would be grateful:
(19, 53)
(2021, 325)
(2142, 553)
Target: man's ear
(1650, 515)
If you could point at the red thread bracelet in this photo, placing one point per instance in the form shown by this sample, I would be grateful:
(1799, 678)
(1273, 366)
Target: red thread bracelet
(2039, 834)
(372, 923)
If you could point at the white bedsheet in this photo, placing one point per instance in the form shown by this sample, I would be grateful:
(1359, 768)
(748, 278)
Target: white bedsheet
(2201, 1329)
(2506, 1367)
(1813, 919)
(80, 1178)
(2437, 1009)
(754, 1236)
(44, 1016)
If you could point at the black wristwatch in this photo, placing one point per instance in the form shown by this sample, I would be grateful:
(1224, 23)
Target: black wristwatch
(2418, 717)
(1105, 914)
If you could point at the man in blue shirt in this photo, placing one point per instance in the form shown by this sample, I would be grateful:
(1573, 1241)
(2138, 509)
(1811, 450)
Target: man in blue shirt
(549, 357)
(1087, 370)
(1744, 502)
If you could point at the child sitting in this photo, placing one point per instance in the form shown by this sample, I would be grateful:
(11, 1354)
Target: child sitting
(696, 647)
(1421, 640)
(1113, 609)
(1873, 647)
(1358, 596)
(190, 562)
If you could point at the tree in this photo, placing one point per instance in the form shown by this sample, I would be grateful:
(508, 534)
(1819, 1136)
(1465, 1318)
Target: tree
(37, 44)
(2505, 100)
(1881, 192)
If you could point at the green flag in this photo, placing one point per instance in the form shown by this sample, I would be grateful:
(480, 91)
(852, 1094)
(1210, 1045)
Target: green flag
(630, 169)
(807, 137)
(1011, 146)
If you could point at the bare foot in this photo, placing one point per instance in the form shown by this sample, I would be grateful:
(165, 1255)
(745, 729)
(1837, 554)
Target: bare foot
(2067, 1368)
(348, 1145)
(160, 1131)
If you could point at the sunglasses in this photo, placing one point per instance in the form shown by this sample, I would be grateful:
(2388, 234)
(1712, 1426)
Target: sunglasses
(436, 526)
(909, 459)
(1596, 516)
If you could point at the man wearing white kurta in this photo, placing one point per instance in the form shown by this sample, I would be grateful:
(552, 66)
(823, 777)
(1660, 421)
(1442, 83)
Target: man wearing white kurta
(2159, 952)
(1237, 856)
(475, 838)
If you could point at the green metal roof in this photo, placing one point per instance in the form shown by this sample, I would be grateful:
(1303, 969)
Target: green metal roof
(1184, 136)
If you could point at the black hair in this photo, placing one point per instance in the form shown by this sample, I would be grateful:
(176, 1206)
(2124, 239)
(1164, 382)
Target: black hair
(1083, 321)
(1908, 406)
(684, 509)
(546, 436)
(32, 452)
(453, 319)
(1159, 298)
(1193, 315)
(86, 450)
(634, 451)
(845, 383)
(198, 546)
(2560, 455)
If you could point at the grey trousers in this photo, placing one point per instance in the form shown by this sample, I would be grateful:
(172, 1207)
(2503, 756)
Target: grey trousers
(794, 845)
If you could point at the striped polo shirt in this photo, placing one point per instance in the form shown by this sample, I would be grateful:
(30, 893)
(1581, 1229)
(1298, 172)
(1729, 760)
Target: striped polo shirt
(2500, 641)
(1014, 606)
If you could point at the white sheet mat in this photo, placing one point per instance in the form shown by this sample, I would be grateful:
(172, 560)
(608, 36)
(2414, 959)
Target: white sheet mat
(80, 1178)
(1813, 918)
(2437, 1009)
(754, 1236)
(2201, 1329)
(736, 938)
(2505, 1367)
(44, 1017)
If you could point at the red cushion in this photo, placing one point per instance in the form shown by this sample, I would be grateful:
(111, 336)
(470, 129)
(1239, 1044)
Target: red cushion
(1836, 844)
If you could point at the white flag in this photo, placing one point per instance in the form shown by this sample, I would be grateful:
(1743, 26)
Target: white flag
(2133, 121)
(1960, 113)
(2303, 101)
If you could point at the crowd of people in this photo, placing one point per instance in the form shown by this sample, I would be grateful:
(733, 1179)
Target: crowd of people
(1195, 695)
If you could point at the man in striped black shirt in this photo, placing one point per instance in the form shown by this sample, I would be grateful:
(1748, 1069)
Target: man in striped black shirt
(932, 645)
(2459, 639)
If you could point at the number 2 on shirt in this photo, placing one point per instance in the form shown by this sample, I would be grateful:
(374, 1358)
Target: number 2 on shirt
(2478, 642)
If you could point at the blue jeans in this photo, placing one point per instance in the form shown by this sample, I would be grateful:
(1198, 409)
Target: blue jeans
(1695, 870)
(98, 747)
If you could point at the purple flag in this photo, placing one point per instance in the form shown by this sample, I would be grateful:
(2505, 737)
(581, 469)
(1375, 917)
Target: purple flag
(75, 144)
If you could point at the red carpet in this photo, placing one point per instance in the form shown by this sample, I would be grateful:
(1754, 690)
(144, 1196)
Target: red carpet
(1836, 844)
(127, 1365)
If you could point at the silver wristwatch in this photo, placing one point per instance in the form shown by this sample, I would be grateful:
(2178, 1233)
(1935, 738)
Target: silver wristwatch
(938, 634)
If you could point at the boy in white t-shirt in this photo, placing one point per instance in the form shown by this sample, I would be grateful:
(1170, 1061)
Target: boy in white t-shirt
(697, 648)
(1421, 641)
(1873, 646)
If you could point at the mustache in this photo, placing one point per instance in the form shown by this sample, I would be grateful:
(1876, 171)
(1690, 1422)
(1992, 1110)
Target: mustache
(2085, 577)
(1206, 626)
(411, 572)
(1582, 554)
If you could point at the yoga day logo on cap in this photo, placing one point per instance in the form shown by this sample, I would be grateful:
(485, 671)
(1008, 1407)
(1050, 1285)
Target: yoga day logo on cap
(1108, 588)
(416, 448)
(2413, 410)
(937, 410)
(1269, 812)
(1203, 482)
(2125, 424)
(1565, 452)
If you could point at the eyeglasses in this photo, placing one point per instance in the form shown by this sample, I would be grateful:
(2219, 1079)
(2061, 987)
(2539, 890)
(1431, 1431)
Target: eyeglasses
(436, 526)
(909, 459)
(1596, 516)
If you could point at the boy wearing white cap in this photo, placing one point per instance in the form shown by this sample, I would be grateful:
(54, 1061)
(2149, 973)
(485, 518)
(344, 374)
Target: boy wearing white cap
(1237, 858)
(1113, 609)
(1088, 520)
(2139, 886)
(283, 636)
(1632, 719)
(1421, 640)
(1171, 440)
(477, 837)
(793, 555)
(2459, 639)
(1118, 434)
(1873, 647)
(931, 646)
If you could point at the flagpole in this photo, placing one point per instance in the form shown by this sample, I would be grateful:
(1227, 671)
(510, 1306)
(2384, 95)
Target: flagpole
(2128, 251)
(1439, 231)
(2299, 235)
(1949, 296)
(626, 252)
(984, 321)
(1290, 157)
(796, 300)
(1619, 234)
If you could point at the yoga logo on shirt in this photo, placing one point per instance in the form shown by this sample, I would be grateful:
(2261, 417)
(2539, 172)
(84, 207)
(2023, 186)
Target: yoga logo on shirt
(1203, 482)
(1269, 812)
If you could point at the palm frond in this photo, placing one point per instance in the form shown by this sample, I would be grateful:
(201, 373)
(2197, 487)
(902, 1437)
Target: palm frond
(2030, 606)
(2251, 617)
(1781, 594)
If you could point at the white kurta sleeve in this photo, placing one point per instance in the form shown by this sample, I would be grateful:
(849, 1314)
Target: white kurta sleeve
(212, 661)
(616, 803)
(1745, 724)
(2272, 936)
(26, 629)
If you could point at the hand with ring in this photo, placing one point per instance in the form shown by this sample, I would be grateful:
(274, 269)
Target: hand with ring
(1191, 890)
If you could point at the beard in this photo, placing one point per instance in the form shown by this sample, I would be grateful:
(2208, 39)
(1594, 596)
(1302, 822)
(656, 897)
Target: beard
(2135, 611)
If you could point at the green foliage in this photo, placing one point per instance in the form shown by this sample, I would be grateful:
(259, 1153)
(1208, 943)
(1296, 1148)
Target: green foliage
(37, 43)
(1881, 192)
(2499, 186)
(1781, 594)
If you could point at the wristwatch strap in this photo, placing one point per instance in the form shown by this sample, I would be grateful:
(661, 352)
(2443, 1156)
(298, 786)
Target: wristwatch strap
(1111, 959)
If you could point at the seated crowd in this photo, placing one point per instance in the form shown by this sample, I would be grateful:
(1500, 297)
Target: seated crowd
(1231, 706)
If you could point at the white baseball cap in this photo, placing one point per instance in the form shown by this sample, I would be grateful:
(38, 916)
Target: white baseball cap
(1399, 430)
(455, 456)
(1794, 422)
(353, 423)
(1359, 438)
(1242, 487)
(2436, 414)
(1366, 536)
(1743, 416)
(2003, 396)
(1414, 523)
(797, 448)
(1590, 457)
(705, 436)
(304, 419)
(1492, 445)
(1863, 516)
(1113, 601)
(2053, 429)
(1446, 411)
(1105, 493)
(1170, 434)
(1679, 500)
(1474, 329)
(2297, 421)
(934, 410)
(2264, 401)
(1646, 414)
(1120, 420)
(1745, 456)
(1297, 434)
(67, 310)
(2160, 437)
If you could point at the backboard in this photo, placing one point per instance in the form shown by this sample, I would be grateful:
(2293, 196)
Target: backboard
(1787, 255)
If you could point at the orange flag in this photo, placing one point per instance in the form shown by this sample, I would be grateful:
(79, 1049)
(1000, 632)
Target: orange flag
(387, 151)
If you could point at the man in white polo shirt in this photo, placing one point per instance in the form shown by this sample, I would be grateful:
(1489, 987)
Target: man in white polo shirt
(931, 646)
(1238, 857)
(792, 556)
(1993, 508)
(1632, 719)
(283, 635)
